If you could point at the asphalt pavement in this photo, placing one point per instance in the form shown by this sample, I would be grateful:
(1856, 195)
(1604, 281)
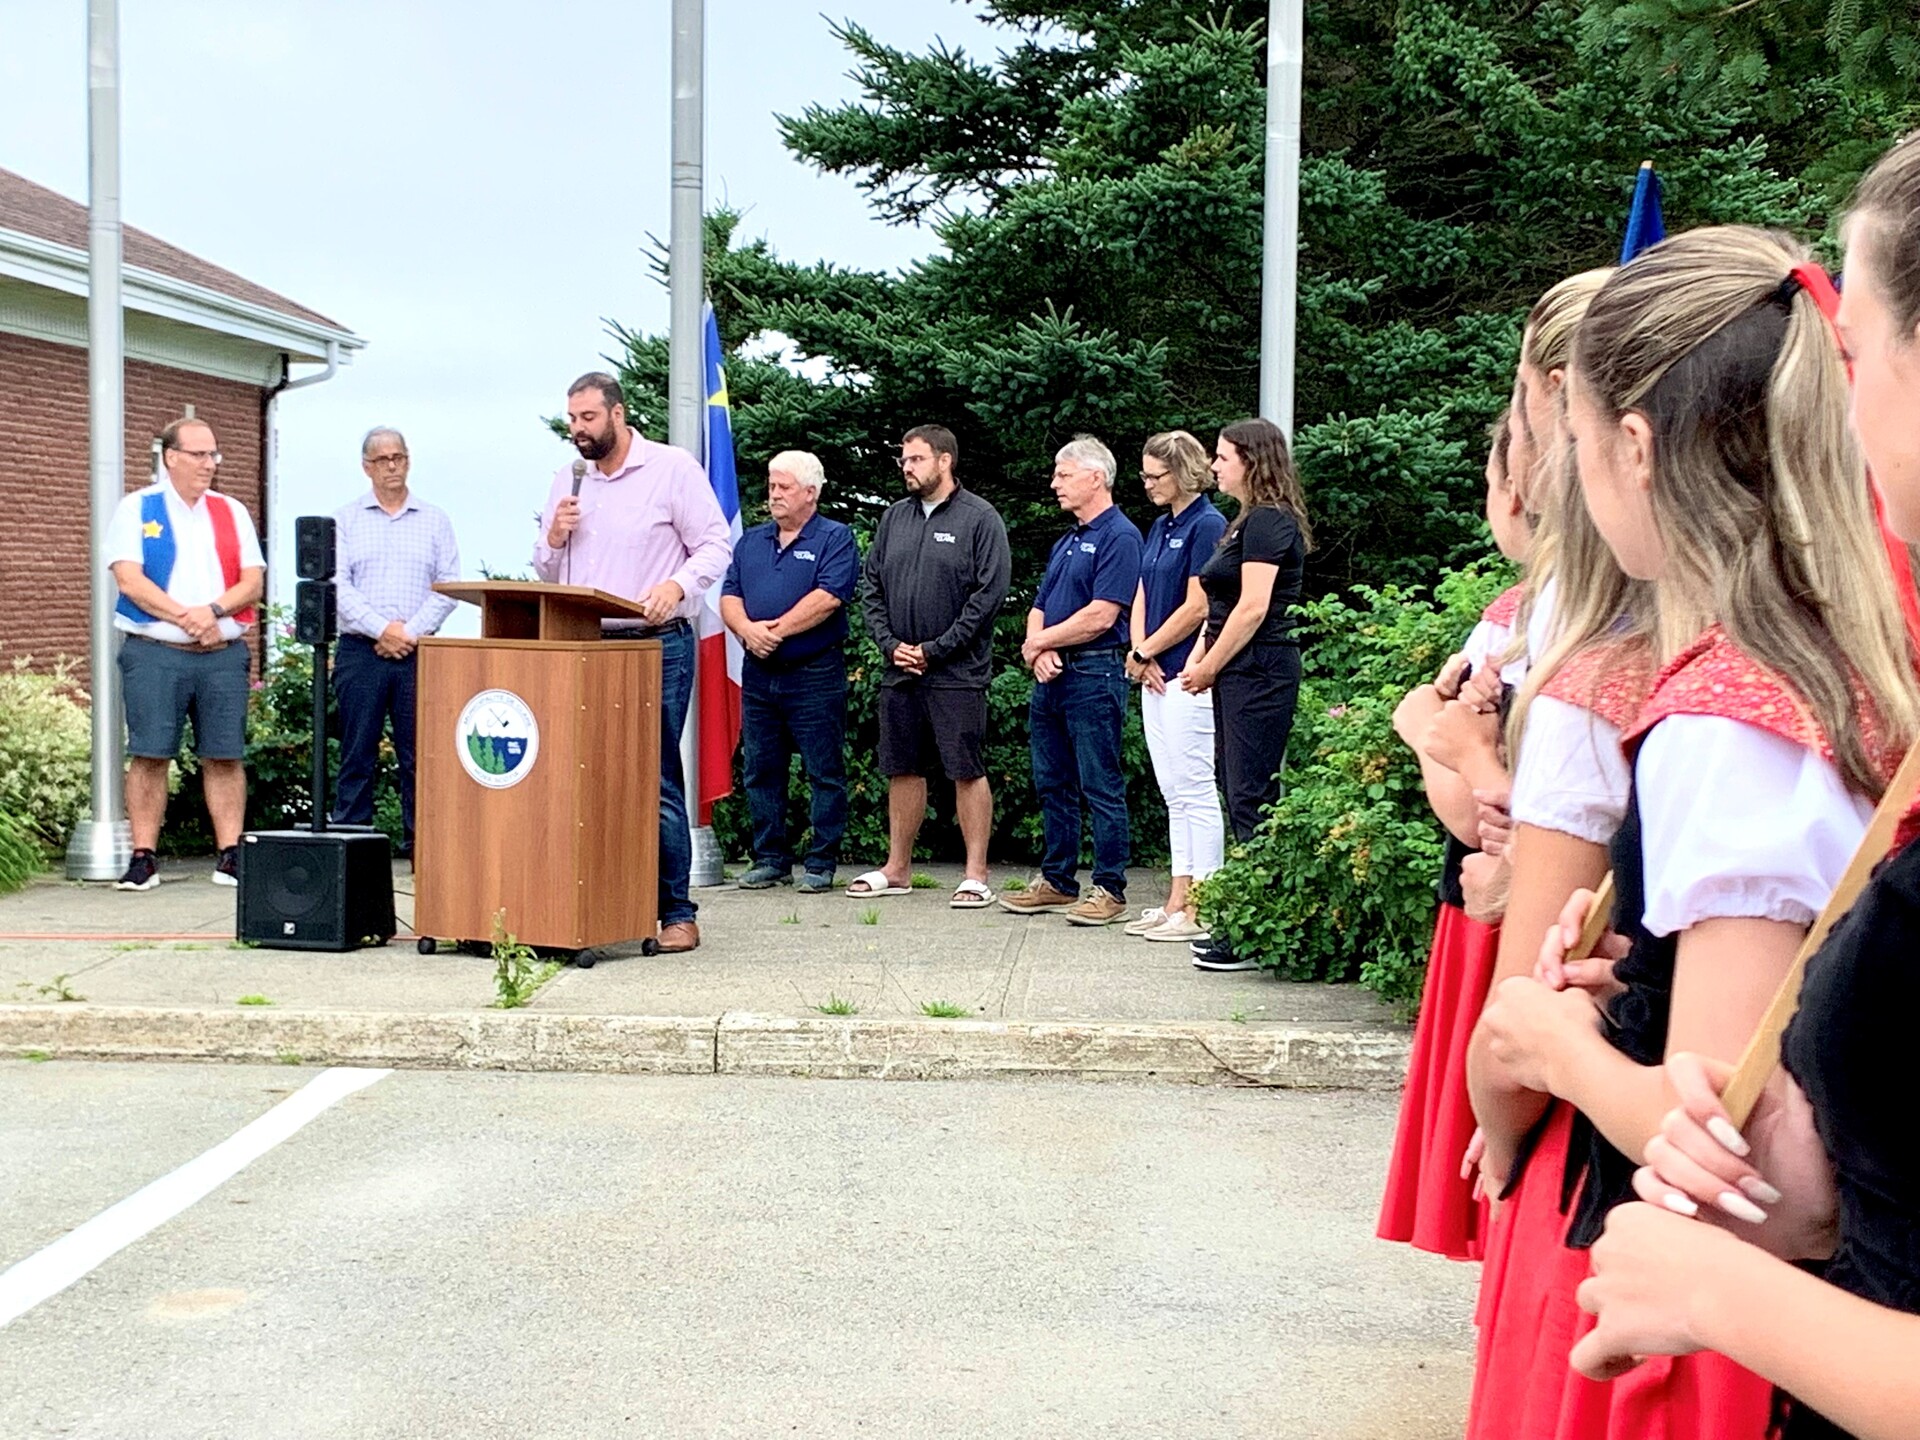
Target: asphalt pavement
(494, 1254)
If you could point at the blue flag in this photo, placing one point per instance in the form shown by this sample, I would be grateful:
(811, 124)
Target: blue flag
(1644, 225)
(718, 670)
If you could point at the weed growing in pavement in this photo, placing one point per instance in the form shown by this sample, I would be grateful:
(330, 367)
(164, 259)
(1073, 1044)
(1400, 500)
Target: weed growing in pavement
(518, 973)
(943, 1010)
(289, 1057)
(253, 1000)
(36, 1057)
(836, 1006)
(1238, 1014)
(121, 946)
(870, 915)
(793, 919)
(237, 944)
(55, 989)
(1013, 885)
(923, 881)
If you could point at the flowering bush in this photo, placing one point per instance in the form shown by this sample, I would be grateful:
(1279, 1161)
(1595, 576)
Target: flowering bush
(1339, 881)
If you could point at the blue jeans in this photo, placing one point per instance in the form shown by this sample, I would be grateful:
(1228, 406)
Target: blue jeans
(676, 840)
(804, 710)
(1075, 720)
(370, 688)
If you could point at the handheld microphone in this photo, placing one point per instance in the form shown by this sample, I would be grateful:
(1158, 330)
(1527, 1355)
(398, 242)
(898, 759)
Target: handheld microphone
(579, 474)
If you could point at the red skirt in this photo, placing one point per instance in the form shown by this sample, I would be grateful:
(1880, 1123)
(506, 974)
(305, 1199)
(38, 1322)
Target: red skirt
(1523, 1386)
(1426, 1202)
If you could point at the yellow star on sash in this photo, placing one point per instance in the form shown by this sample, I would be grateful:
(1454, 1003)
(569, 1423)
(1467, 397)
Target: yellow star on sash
(151, 530)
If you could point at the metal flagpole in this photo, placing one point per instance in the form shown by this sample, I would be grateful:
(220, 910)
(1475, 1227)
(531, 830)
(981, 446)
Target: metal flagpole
(102, 844)
(686, 376)
(1280, 234)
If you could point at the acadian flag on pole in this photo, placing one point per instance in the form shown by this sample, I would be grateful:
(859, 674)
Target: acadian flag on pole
(1645, 226)
(720, 653)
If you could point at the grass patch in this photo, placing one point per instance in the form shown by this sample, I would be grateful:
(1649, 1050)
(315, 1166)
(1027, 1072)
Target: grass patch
(36, 1057)
(923, 881)
(253, 1000)
(288, 1057)
(793, 919)
(870, 915)
(1013, 885)
(238, 944)
(943, 1010)
(836, 1006)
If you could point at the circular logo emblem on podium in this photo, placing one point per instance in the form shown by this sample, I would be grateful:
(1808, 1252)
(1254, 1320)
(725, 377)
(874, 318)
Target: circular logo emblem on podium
(497, 739)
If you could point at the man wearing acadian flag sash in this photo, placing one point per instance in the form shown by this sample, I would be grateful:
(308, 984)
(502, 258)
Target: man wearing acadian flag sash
(189, 568)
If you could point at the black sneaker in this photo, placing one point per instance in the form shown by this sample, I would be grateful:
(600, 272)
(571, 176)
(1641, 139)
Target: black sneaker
(226, 870)
(142, 874)
(1218, 957)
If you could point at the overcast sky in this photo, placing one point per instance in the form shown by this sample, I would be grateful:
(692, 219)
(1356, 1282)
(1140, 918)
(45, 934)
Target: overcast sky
(467, 187)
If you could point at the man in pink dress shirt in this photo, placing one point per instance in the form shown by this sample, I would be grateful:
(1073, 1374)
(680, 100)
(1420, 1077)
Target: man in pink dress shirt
(646, 527)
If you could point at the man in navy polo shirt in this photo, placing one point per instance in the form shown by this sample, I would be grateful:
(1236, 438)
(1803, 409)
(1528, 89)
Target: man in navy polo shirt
(785, 597)
(1076, 646)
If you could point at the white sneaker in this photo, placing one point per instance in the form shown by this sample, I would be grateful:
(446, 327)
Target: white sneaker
(1180, 926)
(1148, 919)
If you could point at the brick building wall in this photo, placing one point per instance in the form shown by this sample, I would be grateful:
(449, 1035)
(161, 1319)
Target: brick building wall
(44, 590)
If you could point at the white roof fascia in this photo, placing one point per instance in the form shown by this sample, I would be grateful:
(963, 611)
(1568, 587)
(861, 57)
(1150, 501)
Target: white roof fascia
(64, 268)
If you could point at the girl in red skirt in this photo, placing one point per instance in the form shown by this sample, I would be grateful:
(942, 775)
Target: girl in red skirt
(1427, 1203)
(1707, 403)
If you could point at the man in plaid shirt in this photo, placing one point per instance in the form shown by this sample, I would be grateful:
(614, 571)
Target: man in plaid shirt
(392, 549)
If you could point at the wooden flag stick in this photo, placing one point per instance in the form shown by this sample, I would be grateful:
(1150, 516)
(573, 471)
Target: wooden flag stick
(1598, 918)
(1762, 1054)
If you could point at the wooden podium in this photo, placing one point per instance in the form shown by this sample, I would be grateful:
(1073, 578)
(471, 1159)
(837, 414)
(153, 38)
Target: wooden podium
(537, 778)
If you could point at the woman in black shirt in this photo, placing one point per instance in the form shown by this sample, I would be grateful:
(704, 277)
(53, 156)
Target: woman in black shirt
(1246, 654)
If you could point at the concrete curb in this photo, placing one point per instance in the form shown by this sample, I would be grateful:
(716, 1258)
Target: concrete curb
(1281, 1055)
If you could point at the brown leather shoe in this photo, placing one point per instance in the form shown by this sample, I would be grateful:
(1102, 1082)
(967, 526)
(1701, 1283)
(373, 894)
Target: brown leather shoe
(679, 937)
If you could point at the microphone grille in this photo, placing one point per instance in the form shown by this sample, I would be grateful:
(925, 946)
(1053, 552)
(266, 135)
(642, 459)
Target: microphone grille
(579, 469)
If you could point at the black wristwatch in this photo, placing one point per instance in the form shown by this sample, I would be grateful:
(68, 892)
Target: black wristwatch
(219, 610)
(1140, 659)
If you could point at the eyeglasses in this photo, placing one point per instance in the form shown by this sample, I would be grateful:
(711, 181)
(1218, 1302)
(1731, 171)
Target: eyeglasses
(399, 459)
(213, 455)
(905, 460)
(1154, 477)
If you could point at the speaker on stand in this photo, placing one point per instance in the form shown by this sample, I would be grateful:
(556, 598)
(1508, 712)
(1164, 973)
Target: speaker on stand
(319, 888)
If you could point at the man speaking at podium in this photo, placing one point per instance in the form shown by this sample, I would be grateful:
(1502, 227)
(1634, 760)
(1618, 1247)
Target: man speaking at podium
(641, 523)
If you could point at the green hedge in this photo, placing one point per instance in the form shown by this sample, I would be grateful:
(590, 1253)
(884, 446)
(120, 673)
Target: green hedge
(1339, 881)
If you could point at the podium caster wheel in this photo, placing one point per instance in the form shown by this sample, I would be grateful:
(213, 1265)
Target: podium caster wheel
(428, 945)
(585, 960)
(649, 947)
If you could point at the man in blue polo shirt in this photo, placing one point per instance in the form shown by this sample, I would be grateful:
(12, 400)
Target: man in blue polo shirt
(1076, 646)
(785, 597)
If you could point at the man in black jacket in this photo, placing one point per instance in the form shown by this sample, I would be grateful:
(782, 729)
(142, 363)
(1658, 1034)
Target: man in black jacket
(934, 580)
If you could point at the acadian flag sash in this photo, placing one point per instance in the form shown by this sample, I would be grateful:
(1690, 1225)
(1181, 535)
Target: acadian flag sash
(159, 550)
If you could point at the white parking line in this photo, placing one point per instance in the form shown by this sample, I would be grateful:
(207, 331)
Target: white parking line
(47, 1272)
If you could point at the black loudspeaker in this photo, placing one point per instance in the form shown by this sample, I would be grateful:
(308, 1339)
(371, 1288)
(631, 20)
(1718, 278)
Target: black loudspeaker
(315, 619)
(305, 891)
(313, 547)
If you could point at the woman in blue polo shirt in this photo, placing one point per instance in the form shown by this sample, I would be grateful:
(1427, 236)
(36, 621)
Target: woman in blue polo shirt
(1247, 655)
(1168, 608)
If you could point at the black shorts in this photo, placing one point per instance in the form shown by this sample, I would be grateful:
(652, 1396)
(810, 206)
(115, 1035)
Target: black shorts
(921, 728)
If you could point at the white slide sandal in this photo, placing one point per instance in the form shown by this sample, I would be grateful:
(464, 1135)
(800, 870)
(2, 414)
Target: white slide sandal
(873, 883)
(972, 895)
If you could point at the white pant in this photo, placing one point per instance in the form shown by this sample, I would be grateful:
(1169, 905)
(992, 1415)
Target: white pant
(1179, 730)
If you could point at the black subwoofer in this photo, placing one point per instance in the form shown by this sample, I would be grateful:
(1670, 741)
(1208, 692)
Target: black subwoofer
(305, 891)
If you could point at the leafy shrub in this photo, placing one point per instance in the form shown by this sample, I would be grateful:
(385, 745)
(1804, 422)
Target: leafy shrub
(22, 856)
(1338, 882)
(45, 750)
